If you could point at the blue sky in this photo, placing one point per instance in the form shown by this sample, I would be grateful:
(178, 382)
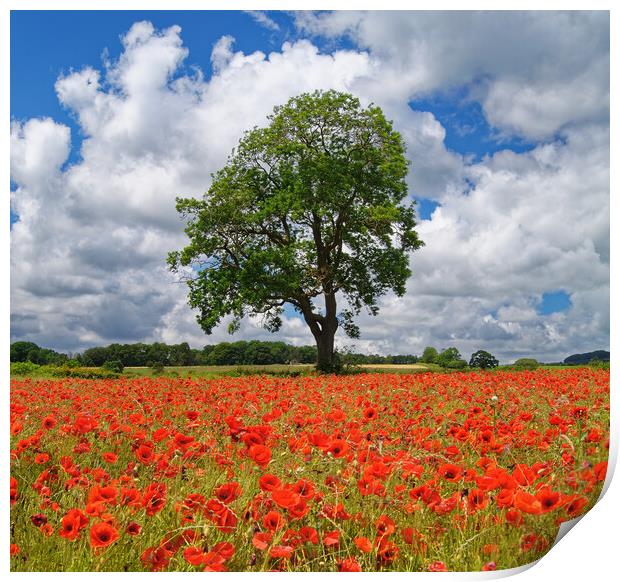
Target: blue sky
(46, 44)
(499, 271)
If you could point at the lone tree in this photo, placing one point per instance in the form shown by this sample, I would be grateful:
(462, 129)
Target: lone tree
(484, 360)
(307, 209)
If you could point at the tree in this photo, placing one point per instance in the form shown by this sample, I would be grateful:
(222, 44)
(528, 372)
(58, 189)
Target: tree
(484, 360)
(113, 366)
(525, 364)
(306, 210)
(21, 350)
(429, 355)
(451, 358)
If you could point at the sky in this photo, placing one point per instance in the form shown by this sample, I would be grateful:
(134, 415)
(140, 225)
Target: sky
(506, 120)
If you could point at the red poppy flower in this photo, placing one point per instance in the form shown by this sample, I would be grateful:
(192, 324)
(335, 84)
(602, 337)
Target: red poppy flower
(269, 482)
(38, 520)
(338, 448)
(261, 540)
(331, 538)
(260, 454)
(514, 517)
(387, 551)
(385, 526)
(549, 499)
(228, 492)
(309, 534)
(110, 458)
(575, 504)
(154, 498)
(145, 453)
(527, 503)
(133, 528)
(194, 556)
(49, 422)
(274, 521)
(214, 562)
(304, 488)
(349, 565)
(281, 552)
(600, 470)
(477, 499)
(72, 524)
(284, 497)
(450, 472)
(102, 534)
(299, 510)
(364, 544)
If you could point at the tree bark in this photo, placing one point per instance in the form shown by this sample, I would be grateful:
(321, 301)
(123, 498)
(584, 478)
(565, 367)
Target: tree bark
(325, 339)
(323, 328)
(325, 349)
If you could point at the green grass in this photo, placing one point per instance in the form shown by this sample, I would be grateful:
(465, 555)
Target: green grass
(271, 369)
(285, 370)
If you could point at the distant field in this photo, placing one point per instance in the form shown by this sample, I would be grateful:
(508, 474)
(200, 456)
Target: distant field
(213, 371)
(210, 372)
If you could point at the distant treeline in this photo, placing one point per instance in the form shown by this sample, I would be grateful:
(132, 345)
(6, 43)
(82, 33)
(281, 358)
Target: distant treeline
(600, 355)
(160, 354)
(252, 352)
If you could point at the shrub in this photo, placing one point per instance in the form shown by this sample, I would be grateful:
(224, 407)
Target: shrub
(525, 364)
(599, 364)
(113, 366)
(457, 364)
(23, 368)
(156, 367)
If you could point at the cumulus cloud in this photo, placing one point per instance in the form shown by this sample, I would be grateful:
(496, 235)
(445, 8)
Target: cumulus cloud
(533, 72)
(262, 19)
(533, 223)
(89, 250)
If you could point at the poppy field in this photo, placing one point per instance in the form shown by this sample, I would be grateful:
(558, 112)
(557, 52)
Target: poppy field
(369, 472)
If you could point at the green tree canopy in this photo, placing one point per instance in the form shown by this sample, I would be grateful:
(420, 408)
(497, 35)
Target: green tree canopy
(429, 355)
(451, 358)
(306, 209)
(484, 360)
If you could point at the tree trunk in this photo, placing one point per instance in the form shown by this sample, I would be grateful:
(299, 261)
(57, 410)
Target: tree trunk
(325, 349)
(323, 328)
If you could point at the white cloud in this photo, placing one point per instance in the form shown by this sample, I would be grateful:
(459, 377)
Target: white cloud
(534, 72)
(262, 19)
(88, 253)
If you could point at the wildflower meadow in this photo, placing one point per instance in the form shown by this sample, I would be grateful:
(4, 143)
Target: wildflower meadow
(368, 472)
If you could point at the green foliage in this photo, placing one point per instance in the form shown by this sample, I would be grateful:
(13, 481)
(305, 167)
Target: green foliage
(31, 352)
(245, 353)
(456, 364)
(23, 368)
(483, 360)
(587, 357)
(597, 364)
(309, 206)
(450, 358)
(526, 364)
(430, 355)
(156, 367)
(113, 366)
(88, 373)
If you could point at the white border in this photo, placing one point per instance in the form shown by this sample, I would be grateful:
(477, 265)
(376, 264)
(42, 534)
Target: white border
(589, 550)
